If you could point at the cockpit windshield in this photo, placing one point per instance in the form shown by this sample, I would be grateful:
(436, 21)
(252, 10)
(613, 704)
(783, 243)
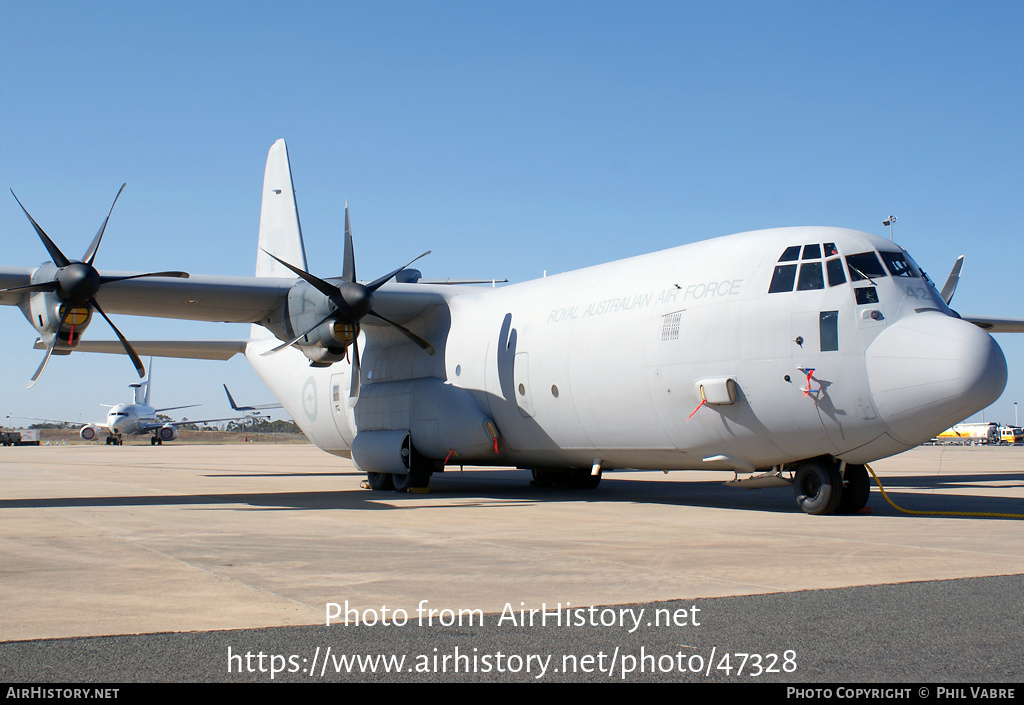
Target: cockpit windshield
(899, 265)
(864, 265)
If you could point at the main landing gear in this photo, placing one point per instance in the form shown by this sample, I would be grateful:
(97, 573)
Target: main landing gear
(418, 477)
(572, 478)
(115, 441)
(820, 487)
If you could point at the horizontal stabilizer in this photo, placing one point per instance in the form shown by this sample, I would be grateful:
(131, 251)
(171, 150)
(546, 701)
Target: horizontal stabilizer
(191, 349)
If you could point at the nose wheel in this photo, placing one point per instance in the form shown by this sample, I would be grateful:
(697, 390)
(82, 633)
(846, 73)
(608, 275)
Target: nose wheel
(820, 488)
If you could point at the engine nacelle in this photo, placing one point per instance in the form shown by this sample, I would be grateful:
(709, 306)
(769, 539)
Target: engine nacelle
(329, 341)
(89, 432)
(167, 432)
(42, 309)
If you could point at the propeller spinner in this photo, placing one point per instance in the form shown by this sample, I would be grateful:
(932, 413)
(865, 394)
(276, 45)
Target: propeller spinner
(352, 302)
(76, 284)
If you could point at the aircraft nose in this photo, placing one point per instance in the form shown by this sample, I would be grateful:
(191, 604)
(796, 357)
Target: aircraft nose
(929, 371)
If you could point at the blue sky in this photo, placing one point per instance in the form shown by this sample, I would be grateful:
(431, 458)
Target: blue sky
(508, 137)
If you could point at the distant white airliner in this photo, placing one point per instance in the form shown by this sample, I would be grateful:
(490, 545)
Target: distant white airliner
(793, 355)
(136, 418)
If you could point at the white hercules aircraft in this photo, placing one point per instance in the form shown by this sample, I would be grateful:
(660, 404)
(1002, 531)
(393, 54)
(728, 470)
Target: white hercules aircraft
(792, 355)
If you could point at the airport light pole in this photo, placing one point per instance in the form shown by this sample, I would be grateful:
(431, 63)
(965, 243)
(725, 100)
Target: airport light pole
(888, 223)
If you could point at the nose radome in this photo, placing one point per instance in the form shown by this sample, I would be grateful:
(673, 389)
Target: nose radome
(929, 371)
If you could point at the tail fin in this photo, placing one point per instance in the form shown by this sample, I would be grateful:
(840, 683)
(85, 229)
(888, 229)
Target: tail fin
(140, 396)
(280, 231)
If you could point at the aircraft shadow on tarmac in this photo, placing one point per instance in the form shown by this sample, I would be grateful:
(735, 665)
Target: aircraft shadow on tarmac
(505, 489)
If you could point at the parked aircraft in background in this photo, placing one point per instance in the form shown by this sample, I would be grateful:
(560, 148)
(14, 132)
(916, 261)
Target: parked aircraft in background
(136, 418)
(787, 356)
(258, 407)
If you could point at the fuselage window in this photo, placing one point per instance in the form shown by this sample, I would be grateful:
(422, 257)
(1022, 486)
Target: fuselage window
(791, 254)
(828, 330)
(864, 266)
(866, 295)
(812, 251)
(782, 280)
(834, 267)
(898, 265)
(810, 276)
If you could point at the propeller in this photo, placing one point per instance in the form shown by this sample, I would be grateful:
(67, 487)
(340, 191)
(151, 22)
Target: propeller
(352, 302)
(76, 284)
(951, 281)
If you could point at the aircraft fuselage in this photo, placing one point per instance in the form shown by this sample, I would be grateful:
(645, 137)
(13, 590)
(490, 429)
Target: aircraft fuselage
(808, 356)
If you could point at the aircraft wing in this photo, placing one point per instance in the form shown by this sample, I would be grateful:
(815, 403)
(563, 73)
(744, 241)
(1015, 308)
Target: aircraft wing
(158, 424)
(222, 298)
(997, 324)
(74, 424)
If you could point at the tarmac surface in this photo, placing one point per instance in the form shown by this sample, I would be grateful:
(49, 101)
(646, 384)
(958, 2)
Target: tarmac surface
(185, 563)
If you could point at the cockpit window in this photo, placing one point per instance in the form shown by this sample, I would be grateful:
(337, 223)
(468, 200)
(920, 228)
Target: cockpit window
(791, 254)
(810, 276)
(782, 280)
(864, 265)
(834, 267)
(811, 272)
(898, 265)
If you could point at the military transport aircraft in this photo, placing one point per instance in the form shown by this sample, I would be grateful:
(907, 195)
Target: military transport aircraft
(792, 355)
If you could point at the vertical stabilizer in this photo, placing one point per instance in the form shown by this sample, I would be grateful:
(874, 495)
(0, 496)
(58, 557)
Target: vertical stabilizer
(142, 397)
(280, 232)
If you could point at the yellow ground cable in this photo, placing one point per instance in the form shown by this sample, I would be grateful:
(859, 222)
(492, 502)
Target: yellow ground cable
(948, 514)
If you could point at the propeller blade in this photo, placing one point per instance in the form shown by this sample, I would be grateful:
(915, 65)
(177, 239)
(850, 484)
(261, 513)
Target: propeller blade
(408, 333)
(325, 288)
(44, 286)
(124, 341)
(90, 254)
(299, 337)
(42, 365)
(387, 277)
(349, 270)
(353, 387)
(55, 254)
(949, 288)
(62, 313)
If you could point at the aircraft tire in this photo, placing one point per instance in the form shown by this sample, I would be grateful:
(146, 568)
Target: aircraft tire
(416, 478)
(581, 479)
(818, 487)
(856, 488)
(381, 481)
(543, 477)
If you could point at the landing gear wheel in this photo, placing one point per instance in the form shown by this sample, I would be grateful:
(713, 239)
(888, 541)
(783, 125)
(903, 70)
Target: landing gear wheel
(817, 486)
(415, 479)
(152, 441)
(571, 478)
(856, 488)
(109, 440)
(544, 477)
(381, 480)
(582, 479)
